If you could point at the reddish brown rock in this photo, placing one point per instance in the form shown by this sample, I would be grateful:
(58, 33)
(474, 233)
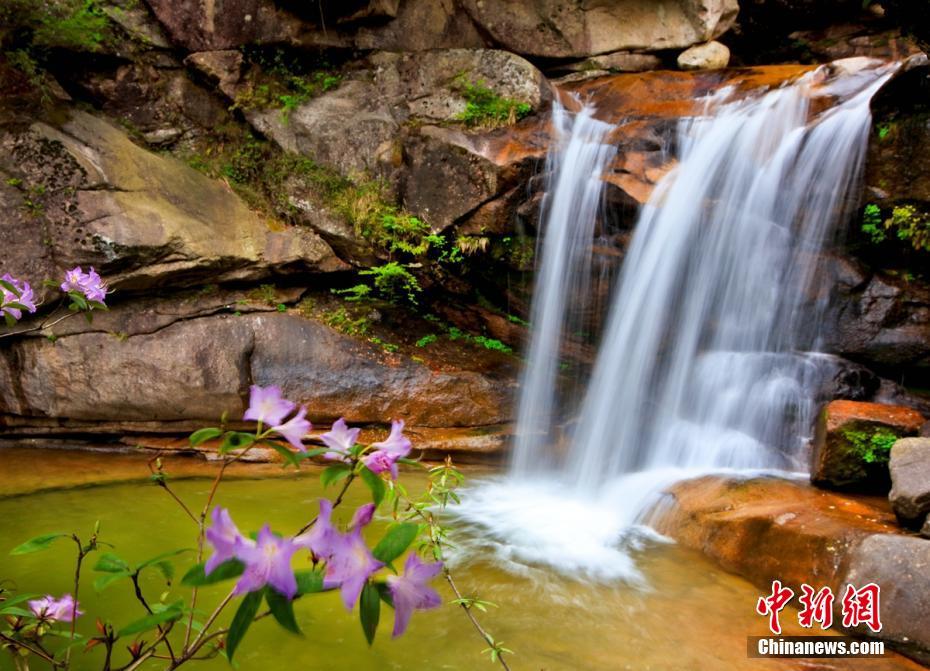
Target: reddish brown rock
(853, 441)
(767, 529)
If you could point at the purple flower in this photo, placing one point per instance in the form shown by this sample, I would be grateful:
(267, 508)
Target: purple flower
(396, 442)
(340, 439)
(267, 406)
(295, 429)
(26, 298)
(350, 562)
(55, 610)
(225, 539)
(380, 461)
(319, 539)
(410, 592)
(268, 562)
(362, 516)
(90, 284)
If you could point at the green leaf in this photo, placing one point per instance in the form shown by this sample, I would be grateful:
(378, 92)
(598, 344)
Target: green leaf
(289, 456)
(19, 598)
(309, 581)
(395, 542)
(282, 610)
(9, 287)
(196, 577)
(203, 435)
(241, 622)
(385, 593)
(110, 563)
(375, 484)
(16, 306)
(169, 614)
(369, 611)
(104, 581)
(335, 473)
(16, 611)
(35, 544)
(160, 559)
(236, 440)
(315, 452)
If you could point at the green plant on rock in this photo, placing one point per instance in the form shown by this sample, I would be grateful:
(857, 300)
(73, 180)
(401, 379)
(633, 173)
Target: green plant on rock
(872, 223)
(393, 281)
(873, 448)
(486, 109)
(911, 225)
(341, 320)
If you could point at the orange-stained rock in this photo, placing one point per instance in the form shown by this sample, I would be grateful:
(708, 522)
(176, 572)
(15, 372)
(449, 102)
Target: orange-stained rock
(853, 441)
(766, 529)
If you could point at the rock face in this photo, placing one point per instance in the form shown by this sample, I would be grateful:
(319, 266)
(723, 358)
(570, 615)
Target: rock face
(542, 28)
(157, 364)
(709, 56)
(587, 27)
(853, 440)
(910, 480)
(766, 529)
(139, 218)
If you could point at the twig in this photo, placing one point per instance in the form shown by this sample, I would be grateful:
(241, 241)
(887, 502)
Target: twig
(40, 327)
(336, 503)
(35, 651)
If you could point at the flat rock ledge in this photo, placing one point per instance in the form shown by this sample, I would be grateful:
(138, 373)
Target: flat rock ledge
(766, 529)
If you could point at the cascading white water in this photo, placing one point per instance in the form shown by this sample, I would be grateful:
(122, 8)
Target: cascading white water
(569, 213)
(702, 364)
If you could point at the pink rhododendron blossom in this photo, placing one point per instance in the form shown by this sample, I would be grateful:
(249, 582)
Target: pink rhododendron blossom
(294, 429)
(268, 562)
(350, 562)
(320, 537)
(26, 297)
(410, 592)
(267, 406)
(396, 443)
(340, 439)
(55, 610)
(225, 539)
(90, 284)
(381, 462)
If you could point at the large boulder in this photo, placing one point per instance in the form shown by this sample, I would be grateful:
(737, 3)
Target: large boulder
(853, 441)
(184, 362)
(95, 198)
(552, 29)
(767, 529)
(910, 480)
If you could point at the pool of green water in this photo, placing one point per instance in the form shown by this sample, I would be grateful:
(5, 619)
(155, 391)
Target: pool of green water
(692, 616)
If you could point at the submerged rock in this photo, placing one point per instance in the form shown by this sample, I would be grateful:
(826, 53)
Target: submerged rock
(853, 441)
(909, 466)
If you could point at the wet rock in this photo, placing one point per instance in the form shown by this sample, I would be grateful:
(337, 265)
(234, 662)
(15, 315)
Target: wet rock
(879, 319)
(551, 29)
(853, 39)
(709, 56)
(853, 440)
(909, 466)
(766, 529)
(140, 218)
(899, 565)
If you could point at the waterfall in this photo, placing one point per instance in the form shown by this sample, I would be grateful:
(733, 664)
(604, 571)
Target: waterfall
(568, 217)
(704, 363)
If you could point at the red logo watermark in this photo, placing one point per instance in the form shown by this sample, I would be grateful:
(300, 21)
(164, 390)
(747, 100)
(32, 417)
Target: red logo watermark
(860, 606)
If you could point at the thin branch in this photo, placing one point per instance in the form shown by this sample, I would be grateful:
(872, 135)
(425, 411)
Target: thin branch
(35, 651)
(336, 503)
(41, 327)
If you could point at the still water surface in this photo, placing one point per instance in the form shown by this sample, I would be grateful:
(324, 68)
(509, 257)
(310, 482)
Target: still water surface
(691, 616)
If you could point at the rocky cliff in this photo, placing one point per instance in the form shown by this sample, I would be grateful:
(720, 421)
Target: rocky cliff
(341, 198)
